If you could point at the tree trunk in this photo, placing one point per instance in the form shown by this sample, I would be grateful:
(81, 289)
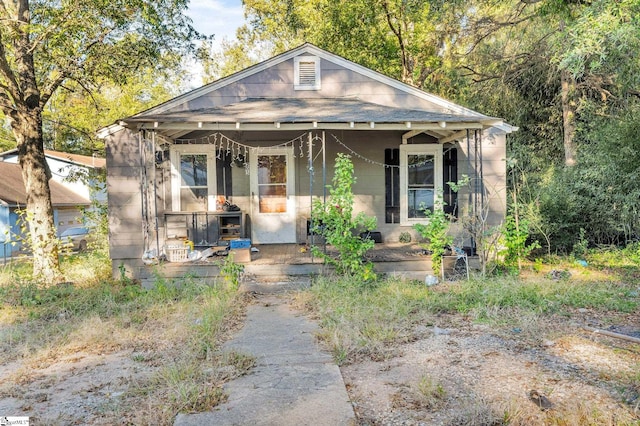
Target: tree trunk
(568, 92)
(42, 239)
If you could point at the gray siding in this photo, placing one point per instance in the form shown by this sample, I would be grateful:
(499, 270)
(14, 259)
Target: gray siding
(126, 240)
(337, 81)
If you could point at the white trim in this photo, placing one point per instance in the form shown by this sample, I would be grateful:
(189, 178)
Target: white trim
(428, 149)
(316, 73)
(269, 126)
(175, 152)
(109, 130)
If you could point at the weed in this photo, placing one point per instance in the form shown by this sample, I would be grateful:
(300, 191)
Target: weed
(231, 271)
(436, 232)
(581, 246)
(405, 237)
(139, 357)
(364, 320)
(515, 234)
(538, 265)
(428, 393)
(478, 412)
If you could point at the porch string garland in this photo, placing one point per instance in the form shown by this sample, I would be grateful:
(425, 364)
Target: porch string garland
(239, 151)
(386, 166)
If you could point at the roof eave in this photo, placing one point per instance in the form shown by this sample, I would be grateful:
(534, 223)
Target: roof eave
(307, 125)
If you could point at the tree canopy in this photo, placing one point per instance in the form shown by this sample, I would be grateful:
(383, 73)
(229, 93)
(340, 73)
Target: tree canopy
(49, 46)
(564, 71)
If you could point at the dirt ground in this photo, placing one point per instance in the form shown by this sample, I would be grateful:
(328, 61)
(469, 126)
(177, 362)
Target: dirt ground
(459, 373)
(454, 373)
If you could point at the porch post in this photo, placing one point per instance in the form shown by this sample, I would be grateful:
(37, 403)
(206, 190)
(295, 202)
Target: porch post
(470, 198)
(482, 187)
(475, 172)
(324, 183)
(155, 192)
(143, 197)
(311, 174)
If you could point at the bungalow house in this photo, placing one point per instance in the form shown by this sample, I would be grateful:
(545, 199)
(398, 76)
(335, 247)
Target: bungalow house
(79, 173)
(13, 198)
(264, 139)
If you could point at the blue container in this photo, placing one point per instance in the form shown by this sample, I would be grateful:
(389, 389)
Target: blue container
(240, 243)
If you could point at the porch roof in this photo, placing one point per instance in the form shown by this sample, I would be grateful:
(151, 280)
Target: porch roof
(306, 113)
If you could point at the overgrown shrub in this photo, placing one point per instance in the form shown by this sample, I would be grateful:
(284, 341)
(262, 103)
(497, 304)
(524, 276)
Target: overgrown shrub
(515, 235)
(436, 232)
(336, 222)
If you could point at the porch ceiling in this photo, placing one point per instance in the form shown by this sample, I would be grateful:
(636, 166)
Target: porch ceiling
(277, 114)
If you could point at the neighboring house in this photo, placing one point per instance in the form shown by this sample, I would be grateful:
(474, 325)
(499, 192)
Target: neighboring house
(265, 139)
(13, 199)
(79, 173)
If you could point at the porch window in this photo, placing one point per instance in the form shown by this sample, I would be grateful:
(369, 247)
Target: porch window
(193, 179)
(420, 180)
(193, 182)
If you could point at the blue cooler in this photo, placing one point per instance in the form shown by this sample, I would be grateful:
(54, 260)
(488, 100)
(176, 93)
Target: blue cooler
(240, 243)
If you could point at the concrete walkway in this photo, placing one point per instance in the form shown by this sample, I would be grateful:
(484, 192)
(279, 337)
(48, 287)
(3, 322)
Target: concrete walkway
(294, 381)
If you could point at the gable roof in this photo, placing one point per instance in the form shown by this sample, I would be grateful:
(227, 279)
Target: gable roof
(13, 193)
(175, 118)
(310, 49)
(77, 159)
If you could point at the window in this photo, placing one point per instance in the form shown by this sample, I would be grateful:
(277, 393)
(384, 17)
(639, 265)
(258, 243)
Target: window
(272, 183)
(193, 179)
(306, 73)
(420, 180)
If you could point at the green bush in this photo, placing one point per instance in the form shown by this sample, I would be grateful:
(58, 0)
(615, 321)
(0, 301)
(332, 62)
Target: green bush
(436, 232)
(336, 222)
(515, 235)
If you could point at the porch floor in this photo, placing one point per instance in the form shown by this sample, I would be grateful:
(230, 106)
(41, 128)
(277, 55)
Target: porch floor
(270, 254)
(284, 262)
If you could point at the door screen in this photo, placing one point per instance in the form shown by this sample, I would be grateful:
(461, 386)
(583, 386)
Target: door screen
(272, 183)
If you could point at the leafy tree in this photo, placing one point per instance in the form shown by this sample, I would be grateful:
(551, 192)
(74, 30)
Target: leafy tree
(72, 116)
(405, 39)
(45, 46)
(564, 71)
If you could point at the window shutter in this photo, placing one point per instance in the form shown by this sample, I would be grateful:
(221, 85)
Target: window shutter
(450, 174)
(392, 185)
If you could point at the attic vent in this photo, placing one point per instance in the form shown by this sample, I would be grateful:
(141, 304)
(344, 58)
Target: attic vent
(306, 73)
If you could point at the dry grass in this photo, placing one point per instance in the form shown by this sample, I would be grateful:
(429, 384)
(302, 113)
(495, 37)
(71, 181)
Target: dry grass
(536, 318)
(148, 355)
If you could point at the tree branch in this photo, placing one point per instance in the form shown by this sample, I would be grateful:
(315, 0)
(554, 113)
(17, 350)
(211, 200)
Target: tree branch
(406, 75)
(50, 88)
(5, 104)
(12, 88)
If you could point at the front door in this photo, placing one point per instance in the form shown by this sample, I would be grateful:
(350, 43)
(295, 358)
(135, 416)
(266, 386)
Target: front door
(273, 219)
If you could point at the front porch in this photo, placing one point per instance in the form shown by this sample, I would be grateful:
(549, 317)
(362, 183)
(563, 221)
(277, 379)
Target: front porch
(277, 262)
